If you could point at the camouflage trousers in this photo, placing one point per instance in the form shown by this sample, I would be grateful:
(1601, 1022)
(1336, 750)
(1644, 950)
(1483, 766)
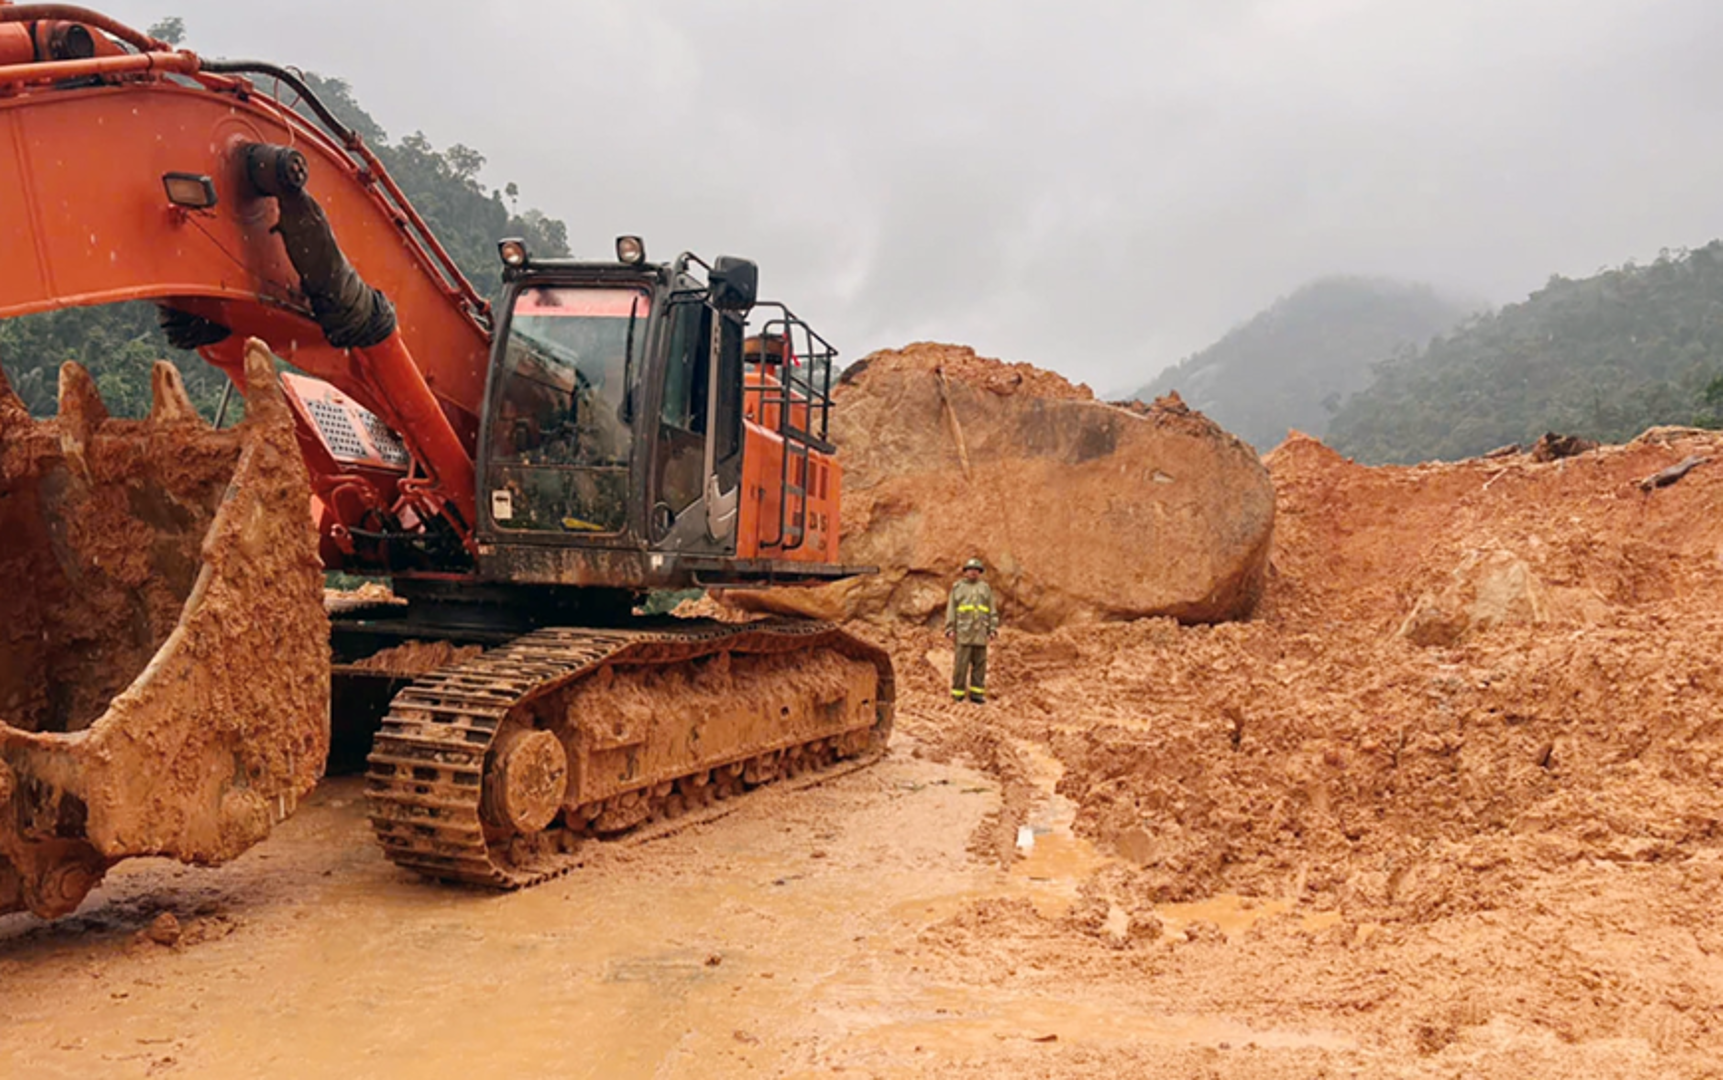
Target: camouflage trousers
(969, 673)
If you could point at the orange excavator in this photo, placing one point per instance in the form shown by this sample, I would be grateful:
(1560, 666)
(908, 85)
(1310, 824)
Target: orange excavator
(522, 474)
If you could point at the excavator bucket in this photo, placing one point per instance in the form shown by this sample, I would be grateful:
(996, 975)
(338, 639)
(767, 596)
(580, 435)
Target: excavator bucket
(164, 664)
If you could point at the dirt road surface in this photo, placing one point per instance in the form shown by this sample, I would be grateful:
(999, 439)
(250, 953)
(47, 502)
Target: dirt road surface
(862, 923)
(805, 931)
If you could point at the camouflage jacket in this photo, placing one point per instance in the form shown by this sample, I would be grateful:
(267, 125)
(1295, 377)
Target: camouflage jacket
(971, 612)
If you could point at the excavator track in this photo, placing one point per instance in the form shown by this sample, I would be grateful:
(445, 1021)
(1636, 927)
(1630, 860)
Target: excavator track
(434, 779)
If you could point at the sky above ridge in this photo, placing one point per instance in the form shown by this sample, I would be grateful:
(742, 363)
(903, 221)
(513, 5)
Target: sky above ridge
(1096, 187)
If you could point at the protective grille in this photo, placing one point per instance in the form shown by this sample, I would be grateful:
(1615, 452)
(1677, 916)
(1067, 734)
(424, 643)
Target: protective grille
(389, 448)
(337, 429)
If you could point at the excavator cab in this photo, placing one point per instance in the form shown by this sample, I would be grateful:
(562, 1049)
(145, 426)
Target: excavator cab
(561, 433)
(617, 448)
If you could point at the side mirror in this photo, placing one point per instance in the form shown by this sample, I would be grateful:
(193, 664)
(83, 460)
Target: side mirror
(735, 283)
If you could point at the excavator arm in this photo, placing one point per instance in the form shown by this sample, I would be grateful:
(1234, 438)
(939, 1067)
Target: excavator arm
(130, 170)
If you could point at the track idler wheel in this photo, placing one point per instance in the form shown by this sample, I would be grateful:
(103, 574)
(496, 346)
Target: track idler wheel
(525, 780)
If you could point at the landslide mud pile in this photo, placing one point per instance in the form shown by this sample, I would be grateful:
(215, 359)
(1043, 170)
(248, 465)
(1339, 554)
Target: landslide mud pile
(1452, 663)
(1573, 542)
(1085, 512)
(1474, 736)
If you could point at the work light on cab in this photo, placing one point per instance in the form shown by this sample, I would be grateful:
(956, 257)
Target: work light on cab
(630, 250)
(513, 252)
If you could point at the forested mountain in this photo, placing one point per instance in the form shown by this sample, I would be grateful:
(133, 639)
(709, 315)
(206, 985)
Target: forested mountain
(1604, 357)
(1292, 365)
(445, 188)
(118, 343)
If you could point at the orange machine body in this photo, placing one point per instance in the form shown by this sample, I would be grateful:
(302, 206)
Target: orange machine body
(799, 490)
(803, 495)
(98, 124)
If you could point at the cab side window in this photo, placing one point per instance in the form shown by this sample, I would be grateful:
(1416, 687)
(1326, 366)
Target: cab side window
(685, 374)
(729, 387)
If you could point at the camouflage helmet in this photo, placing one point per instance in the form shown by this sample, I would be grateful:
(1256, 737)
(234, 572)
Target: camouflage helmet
(975, 564)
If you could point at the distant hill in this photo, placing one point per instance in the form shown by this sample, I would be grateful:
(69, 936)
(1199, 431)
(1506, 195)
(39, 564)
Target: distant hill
(1293, 364)
(1604, 357)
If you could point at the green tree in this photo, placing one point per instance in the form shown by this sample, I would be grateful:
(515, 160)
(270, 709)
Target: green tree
(1709, 412)
(117, 344)
(170, 30)
(1604, 357)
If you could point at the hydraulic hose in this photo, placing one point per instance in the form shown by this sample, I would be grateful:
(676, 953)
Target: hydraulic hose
(353, 315)
(282, 75)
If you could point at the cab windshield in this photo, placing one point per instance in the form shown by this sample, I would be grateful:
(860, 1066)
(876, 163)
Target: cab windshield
(563, 399)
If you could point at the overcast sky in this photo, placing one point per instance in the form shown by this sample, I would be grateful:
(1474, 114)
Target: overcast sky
(1096, 187)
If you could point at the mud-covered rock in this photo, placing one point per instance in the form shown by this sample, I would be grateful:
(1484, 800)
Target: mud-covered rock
(164, 929)
(1083, 511)
(1553, 447)
(1488, 589)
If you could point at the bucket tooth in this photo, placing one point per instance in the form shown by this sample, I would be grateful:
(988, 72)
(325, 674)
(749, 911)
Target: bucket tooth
(79, 398)
(81, 412)
(262, 391)
(169, 402)
(12, 408)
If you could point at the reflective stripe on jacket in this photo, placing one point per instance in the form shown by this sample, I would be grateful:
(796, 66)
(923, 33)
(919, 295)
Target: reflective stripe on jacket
(971, 612)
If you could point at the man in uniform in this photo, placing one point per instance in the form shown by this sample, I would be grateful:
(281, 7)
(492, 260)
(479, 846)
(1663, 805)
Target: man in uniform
(971, 620)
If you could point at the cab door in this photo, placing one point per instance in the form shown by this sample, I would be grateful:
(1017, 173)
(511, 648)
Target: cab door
(694, 493)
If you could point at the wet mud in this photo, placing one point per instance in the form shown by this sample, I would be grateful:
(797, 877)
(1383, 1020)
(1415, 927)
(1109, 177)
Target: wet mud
(1321, 842)
(843, 925)
(164, 669)
(416, 657)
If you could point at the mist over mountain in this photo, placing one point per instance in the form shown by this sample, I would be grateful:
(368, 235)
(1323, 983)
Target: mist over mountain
(1294, 364)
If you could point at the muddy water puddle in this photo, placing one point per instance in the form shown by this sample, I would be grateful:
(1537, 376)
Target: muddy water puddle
(1052, 860)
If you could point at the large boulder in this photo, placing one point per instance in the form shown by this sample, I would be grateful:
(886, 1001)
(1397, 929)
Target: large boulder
(1083, 511)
